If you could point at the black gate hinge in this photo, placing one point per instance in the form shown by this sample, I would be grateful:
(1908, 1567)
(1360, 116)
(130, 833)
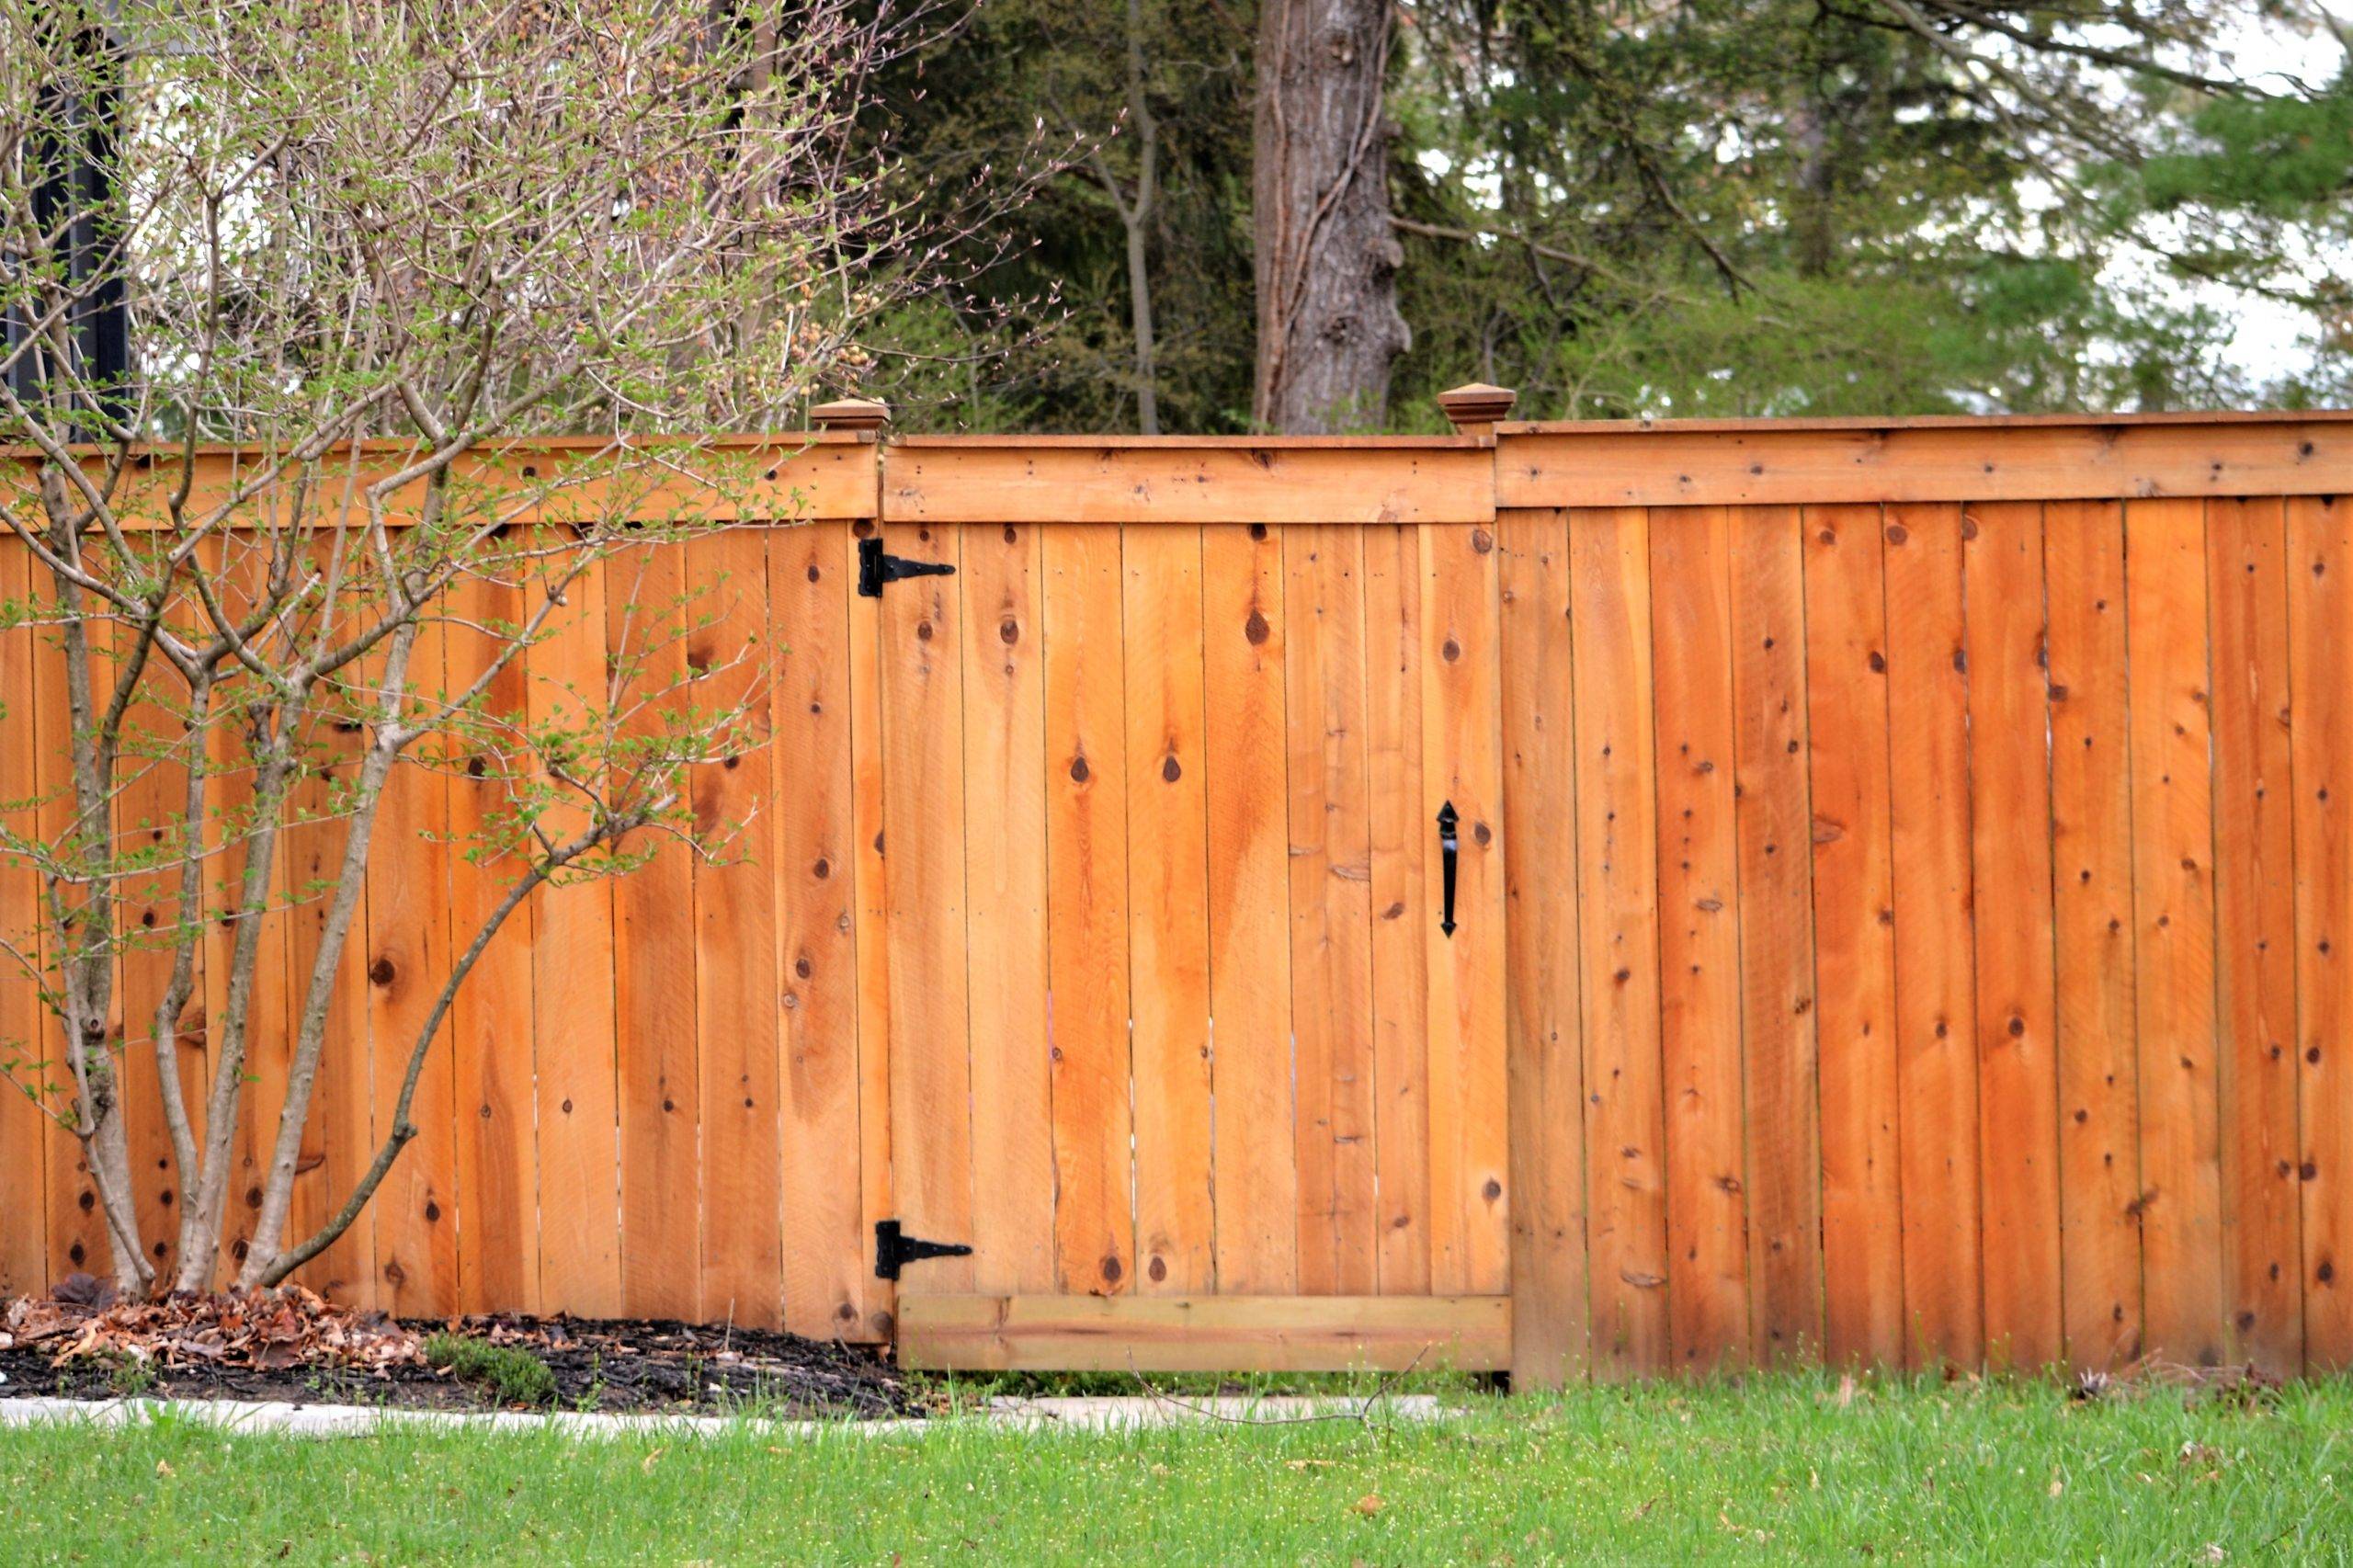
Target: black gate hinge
(874, 568)
(895, 1248)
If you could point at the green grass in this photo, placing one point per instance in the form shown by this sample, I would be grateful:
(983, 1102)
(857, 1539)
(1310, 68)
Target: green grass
(1776, 1469)
(509, 1375)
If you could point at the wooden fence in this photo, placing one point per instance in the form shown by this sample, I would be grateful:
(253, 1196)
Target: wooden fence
(1896, 911)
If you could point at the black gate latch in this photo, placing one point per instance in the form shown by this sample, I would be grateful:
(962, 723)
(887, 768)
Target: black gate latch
(874, 568)
(894, 1248)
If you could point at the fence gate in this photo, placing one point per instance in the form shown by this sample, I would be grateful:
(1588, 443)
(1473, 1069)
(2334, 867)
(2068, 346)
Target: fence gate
(1195, 1007)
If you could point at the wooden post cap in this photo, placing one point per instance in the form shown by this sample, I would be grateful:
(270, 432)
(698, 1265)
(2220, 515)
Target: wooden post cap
(850, 414)
(1476, 404)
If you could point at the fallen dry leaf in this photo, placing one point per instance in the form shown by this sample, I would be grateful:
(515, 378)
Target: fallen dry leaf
(650, 1461)
(1369, 1504)
(164, 1468)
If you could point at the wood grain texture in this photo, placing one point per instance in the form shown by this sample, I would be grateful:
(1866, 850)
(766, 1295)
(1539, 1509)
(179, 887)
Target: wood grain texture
(24, 1232)
(2173, 899)
(824, 1242)
(1772, 463)
(1168, 922)
(415, 1209)
(2320, 578)
(148, 810)
(1774, 812)
(1699, 941)
(1006, 853)
(2254, 932)
(1935, 1013)
(2009, 719)
(573, 1023)
(2091, 839)
(241, 565)
(1181, 1333)
(869, 920)
(1086, 912)
(491, 1030)
(1461, 762)
(1854, 923)
(1249, 912)
(1543, 1026)
(1402, 847)
(924, 926)
(656, 983)
(78, 1230)
(1330, 860)
(742, 1278)
(1616, 881)
(338, 1140)
(1246, 481)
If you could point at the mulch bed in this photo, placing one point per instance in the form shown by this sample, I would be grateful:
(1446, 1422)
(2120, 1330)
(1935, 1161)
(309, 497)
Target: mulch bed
(289, 1344)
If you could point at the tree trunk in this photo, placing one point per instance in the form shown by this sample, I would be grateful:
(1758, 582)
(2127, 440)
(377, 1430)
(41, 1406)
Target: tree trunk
(1326, 261)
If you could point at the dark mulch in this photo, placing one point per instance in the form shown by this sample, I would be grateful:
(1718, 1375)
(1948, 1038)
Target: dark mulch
(291, 1346)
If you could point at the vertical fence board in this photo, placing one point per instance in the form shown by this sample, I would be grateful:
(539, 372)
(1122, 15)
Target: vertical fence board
(1854, 921)
(925, 928)
(825, 1279)
(2091, 839)
(2173, 843)
(2010, 720)
(1006, 853)
(1461, 717)
(243, 563)
(77, 1227)
(870, 920)
(1330, 855)
(490, 1029)
(736, 992)
(1169, 931)
(1774, 810)
(414, 1211)
(2255, 914)
(1541, 1024)
(654, 979)
(1616, 881)
(338, 1140)
(1698, 938)
(571, 997)
(148, 811)
(1400, 907)
(1087, 911)
(1936, 1023)
(24, 1031)
(2320, 571)
(1243, 640)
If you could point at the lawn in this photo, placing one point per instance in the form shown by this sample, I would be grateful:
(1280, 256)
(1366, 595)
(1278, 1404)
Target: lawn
(1778, 1467)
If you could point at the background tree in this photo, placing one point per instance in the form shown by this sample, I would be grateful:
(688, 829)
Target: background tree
(1710, 207)
(371, 246)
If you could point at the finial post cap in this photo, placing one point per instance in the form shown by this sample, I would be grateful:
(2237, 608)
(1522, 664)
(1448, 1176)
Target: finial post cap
(1477, 406)
(850, 414)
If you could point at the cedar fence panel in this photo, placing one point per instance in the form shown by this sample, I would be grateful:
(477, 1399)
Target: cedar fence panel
(1902, 894)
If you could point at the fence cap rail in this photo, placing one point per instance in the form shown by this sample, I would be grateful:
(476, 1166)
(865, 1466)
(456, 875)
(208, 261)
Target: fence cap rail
(1987, 422)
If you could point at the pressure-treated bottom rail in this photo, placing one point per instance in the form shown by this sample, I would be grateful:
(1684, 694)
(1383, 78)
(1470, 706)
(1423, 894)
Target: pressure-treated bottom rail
(1205, 1333)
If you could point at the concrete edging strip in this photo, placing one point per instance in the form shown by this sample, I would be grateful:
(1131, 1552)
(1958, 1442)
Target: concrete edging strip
(1071, 1414)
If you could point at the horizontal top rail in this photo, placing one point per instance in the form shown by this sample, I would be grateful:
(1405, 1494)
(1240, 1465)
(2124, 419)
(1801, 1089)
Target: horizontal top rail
(851, 469)
(1815, 462)
(1450, 480)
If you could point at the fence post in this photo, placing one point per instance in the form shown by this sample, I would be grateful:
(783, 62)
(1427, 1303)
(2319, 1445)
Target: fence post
(1542, 1070)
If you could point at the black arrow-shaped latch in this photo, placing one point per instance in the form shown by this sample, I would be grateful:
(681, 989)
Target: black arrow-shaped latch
(874, 568)
(1449, 845)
